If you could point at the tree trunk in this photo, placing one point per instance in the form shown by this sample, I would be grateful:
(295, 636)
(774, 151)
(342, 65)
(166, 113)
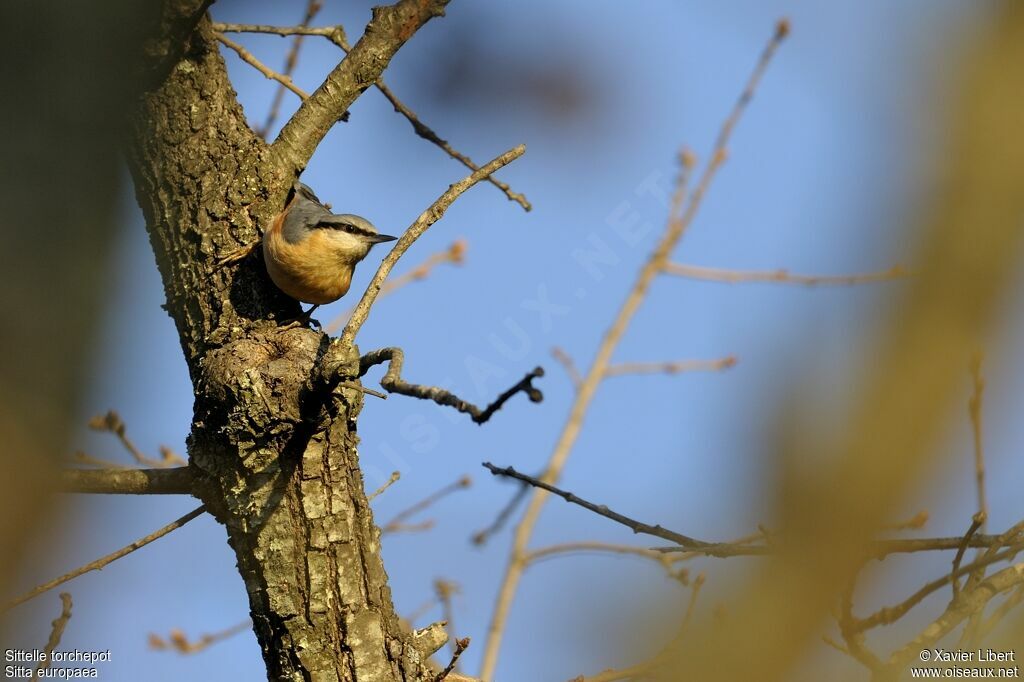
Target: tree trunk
(273, 442)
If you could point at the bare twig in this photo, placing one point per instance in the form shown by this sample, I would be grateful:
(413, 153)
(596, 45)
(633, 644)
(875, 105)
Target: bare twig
(565, 548)
(602, 510)
(291, 61)
(974, 406)
(402, 527)
(427, 134)
(363, 389)
(1006, 579)
(460, 646)
(113, 423)
(399, 519)
(445, 590)
(327, 32)
(745, 546)
(86, 458)
(835, 645)
(484, 534)
(1003, 610)
(856, 646)
(249, 59)
(178, 640)
(681, 215)
(454, 254)
(890, 614)
(671, 367)
(666, 561)
(566, 361)
(698, 583)
(1011, 536)
(974, 409)
(782, 276)
(176, 481)
(414, 232)
(645, 669)
(57, 631)
(395, 475)
(977, 521)
(108, 559)
(170, 458)
(879, 549)
(915, 522)
(393, 383)
(420, 611)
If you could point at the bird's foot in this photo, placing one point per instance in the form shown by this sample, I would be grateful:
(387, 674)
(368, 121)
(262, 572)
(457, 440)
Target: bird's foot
(303, 320)
(238, 255)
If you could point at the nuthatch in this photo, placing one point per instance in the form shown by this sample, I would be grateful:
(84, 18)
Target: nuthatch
(311, 253)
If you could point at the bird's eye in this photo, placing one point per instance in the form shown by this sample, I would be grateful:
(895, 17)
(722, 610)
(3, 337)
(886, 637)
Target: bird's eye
(352, 229)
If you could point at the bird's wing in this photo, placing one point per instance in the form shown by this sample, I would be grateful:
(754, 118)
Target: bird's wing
(307, 192)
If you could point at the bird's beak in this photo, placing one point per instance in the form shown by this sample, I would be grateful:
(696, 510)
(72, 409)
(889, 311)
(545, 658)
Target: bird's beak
(377, 239)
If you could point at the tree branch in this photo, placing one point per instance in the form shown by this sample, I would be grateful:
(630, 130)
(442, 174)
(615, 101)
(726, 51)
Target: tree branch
(976, 522)
(670, 367)
(112, 422)
(337, 36)
(329, 32)
(460, 646)
(247, 57)
(958, 610)
(782, 276)
(571, 370)
(393, 383)
(110, 558)
(387, 31)
(974, 409)
(647, 669)
(313, 7)
(178, 641)
(666, 561)
(57, 631)
(879, 549)
(395, 475)
(177, 481)
(680, 217)
(890, 614)
(484, 534)
(397, 522)
(414, 232)
(633, 524)
(453, 254)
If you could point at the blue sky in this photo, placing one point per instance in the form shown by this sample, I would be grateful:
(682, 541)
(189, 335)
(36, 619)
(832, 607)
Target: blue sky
(822, 176)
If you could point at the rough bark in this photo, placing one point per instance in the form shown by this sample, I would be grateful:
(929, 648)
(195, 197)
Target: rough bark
(273, 443)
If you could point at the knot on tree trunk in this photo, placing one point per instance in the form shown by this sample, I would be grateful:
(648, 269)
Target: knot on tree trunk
(274, 446)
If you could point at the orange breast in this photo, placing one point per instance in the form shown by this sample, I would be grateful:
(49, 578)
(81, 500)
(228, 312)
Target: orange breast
(310, 271)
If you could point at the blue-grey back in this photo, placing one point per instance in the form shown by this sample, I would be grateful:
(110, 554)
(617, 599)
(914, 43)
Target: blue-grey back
(303, 216)
(308, 213)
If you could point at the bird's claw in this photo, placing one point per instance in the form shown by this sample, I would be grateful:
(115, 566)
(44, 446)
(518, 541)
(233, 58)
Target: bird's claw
(237, 255)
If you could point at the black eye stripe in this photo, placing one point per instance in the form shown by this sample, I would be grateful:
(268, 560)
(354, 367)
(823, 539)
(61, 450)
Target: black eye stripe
(348, 227)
